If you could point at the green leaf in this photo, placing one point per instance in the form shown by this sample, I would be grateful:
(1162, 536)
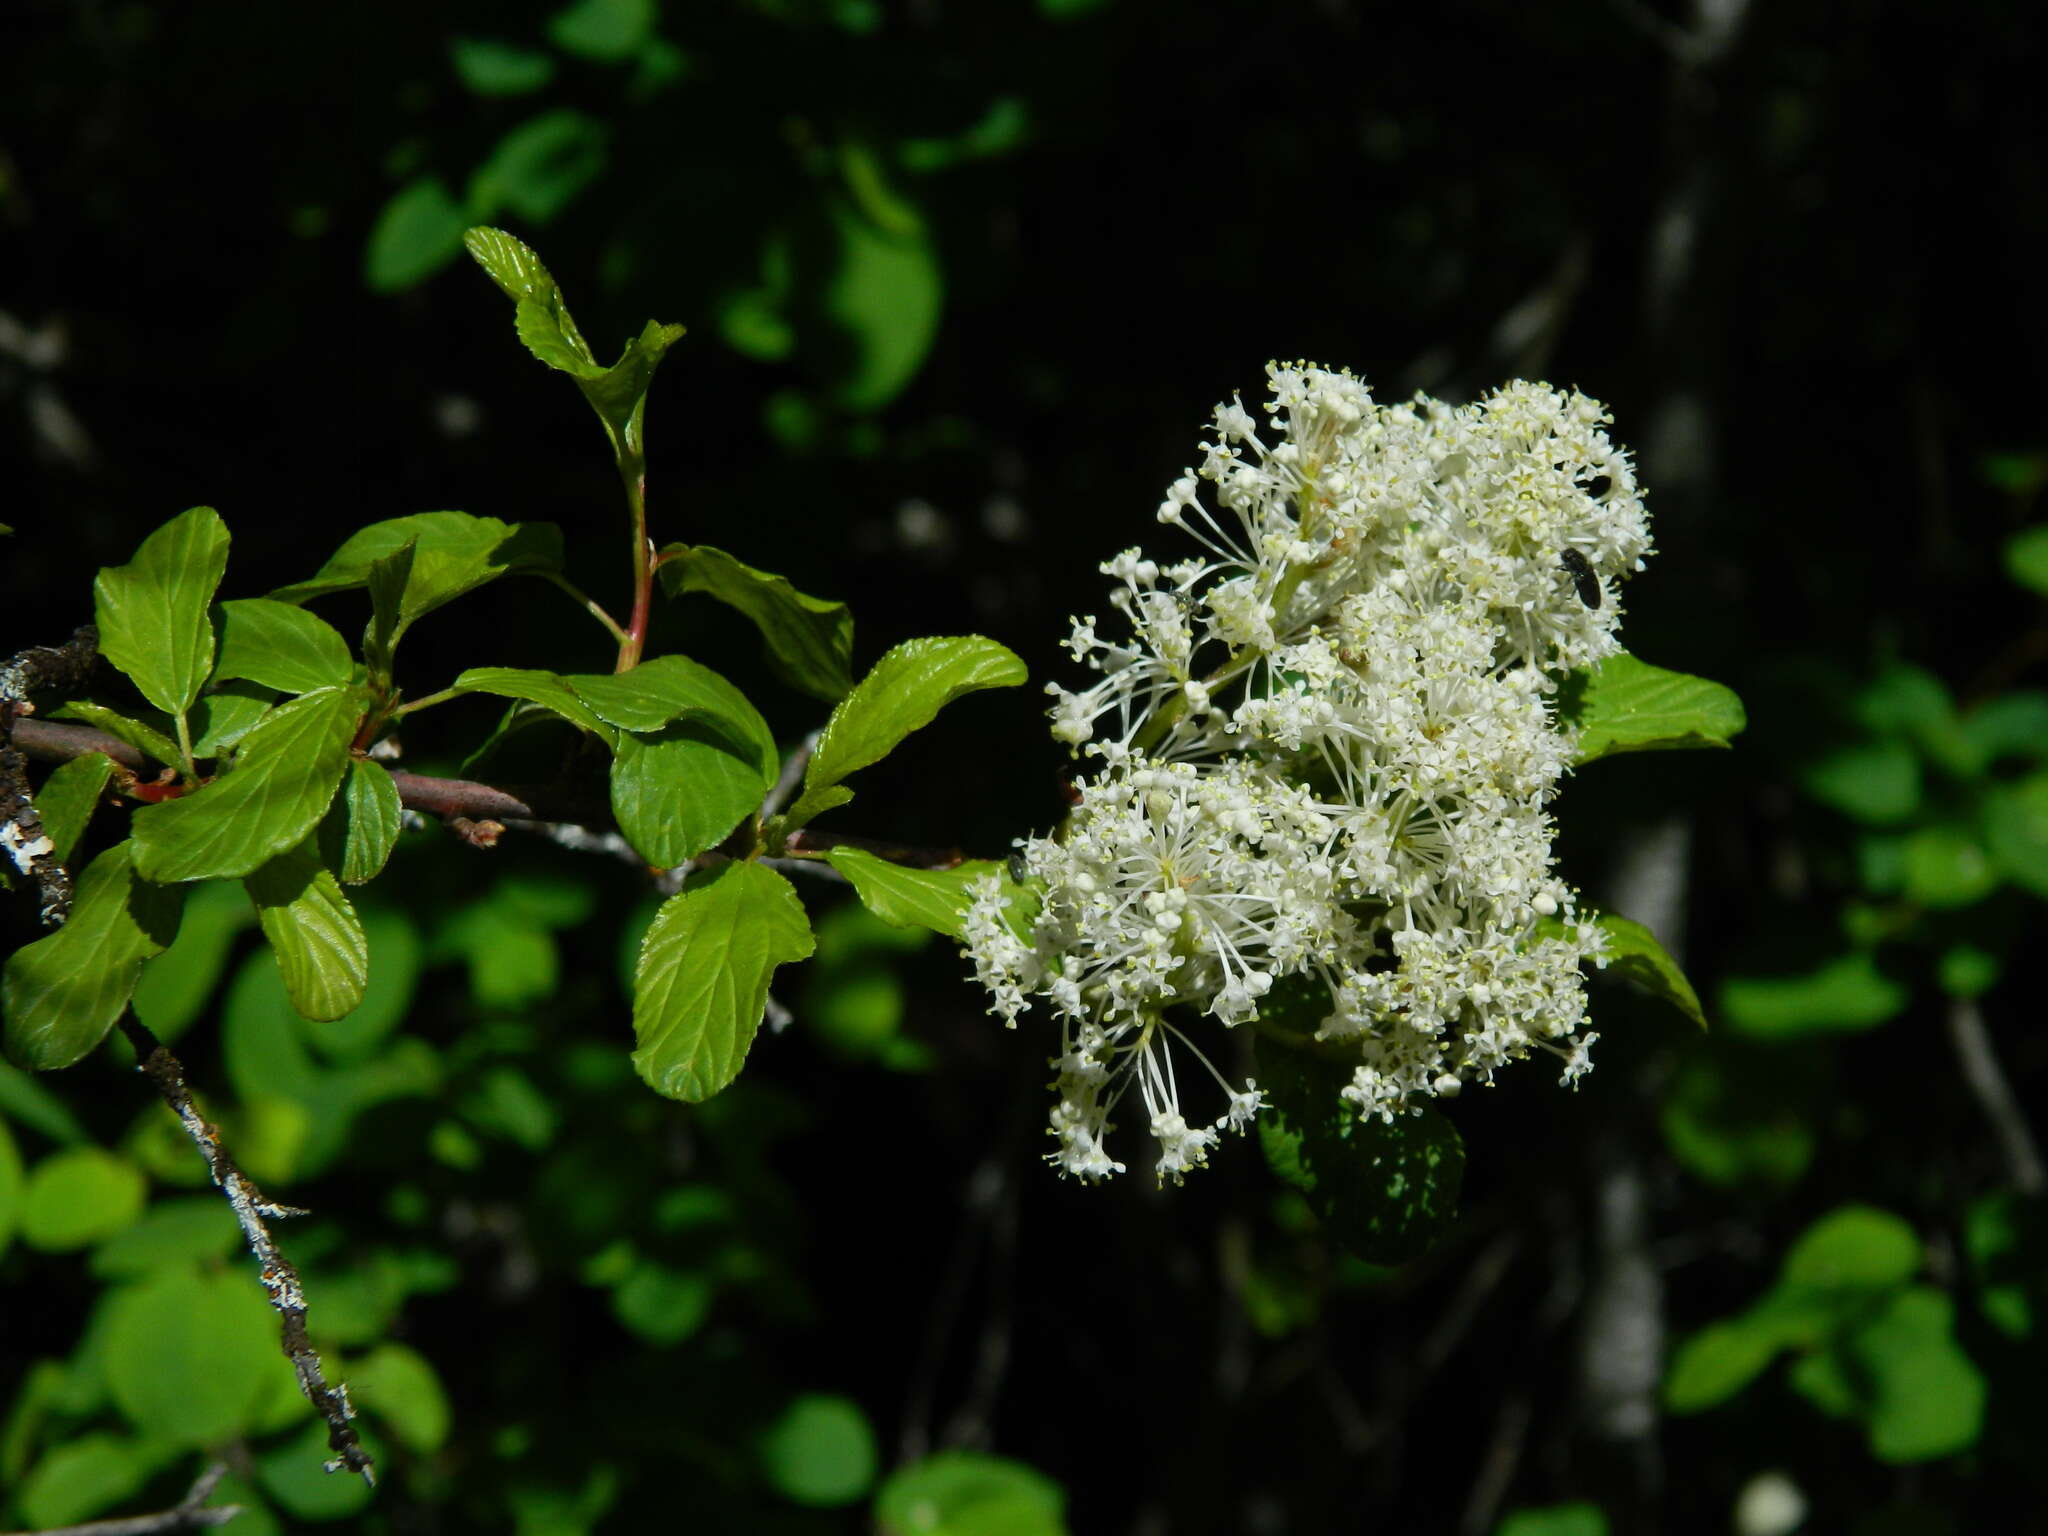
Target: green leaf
(178, 983)
(701, 985)
(606, 31)
(1925, 1397)
(283, 779)
(539, 166)
(144, 738)
(1735, 1117)
(280, 646)
(25, 1101)
(68, 798)
(171, 1233)
(395, 1384)
(395, 960)
(417, 233)
(1385, 1192)
(1845, 994)
(1853, 1247)
(619, 393)
(663, 1305)
(820, 1452)
(1626, 705)
(63, 993)
(1872, 781)
(192, 1358)
(82, 1478)
(885, 297)
(453, 553)
(11, 1184)
(385, 581)
(79, 1197)
(903, 693)
(966, 1493)
(361, 827)
(318, 939)
(226, 713)
(1633, 952)
(666, 689)
(491, 68)
(2026, 558)
(2016, 831)
(152, 612)
(1716, 1363)
(925, 898)
(543, 688)
(1579, 1519)
(809, 640)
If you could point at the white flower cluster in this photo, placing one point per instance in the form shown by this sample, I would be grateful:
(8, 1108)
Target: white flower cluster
(1324, 752)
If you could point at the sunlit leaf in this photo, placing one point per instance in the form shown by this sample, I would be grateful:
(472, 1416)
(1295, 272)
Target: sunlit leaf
(919, 898)
(79, 1197)
(820, 1451)
(809, 640)
(1627, 705)
(190, 1358)
(395, 1384)
(885, 296)
(967, 1493)
(315, 933)
(1845, 994)
(140, 735)
(453, 553)
(701, 985)
(280, 646)
(361, 827)
(67, 799)
(152, 612)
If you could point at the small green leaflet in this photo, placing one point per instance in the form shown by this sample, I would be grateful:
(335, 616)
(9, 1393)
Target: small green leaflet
(453, 553)
(226, 713)
(1626, 705)
(318, 939)
(903, 693)
(152, 612)
(279, 646)
(619, 393)
(63, 993)
(701, 985)
(928, 898)
(537, 687)
(361, 827)
(284, 777)
(809, 640)
(68, 798)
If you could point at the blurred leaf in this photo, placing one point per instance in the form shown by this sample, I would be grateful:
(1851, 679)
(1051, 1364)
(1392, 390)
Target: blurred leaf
(1947, 867)
(606, 31)
(1003, 128)
(1845, 994)
(177, 984)
(966, 1493)
(538, 167)
(809, 640)
(284, 776)
(83, 1477)
(292, 1475)
(2005, 1236)
(1557, 1520)
(2009, 725)
(2026, 558)
(152, 612)
(316, 935)
(663, 1306)
(1738, 1117)
(513, 962)
(172, 1234)
(140, 735)
(820, 1452)
(11, 1185)
(1966, 971)
(63, 993)
(27, 1102)
(903, 692)
(417, 233)
(1924, 1397)
(1627, 705)
(885, 296)
(1877, 782)
(280, 646)
(1385, 1192)
(492, 68)
(702, 982)
(395, 1384)
(1853, 1246)
(506, 1102)
(67, 799)
(79, 1197)
(2016, 831)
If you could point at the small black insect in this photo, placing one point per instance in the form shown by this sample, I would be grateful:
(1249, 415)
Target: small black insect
(1582, 576)
(1019, 870)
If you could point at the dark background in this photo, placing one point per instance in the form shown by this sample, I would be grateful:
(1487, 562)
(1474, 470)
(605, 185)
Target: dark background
(1796, 248)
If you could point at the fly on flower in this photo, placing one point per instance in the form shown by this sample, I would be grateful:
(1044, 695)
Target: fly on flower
(1323, 753)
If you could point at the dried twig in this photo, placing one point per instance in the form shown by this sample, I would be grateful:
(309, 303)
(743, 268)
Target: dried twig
(1988, 1084)
(280, 1280)
(189, 1514)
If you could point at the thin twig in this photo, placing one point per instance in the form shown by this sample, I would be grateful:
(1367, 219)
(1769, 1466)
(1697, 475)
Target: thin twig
(189, 1514)
(280, 1280)
(792, 775)
(1986, 1079)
